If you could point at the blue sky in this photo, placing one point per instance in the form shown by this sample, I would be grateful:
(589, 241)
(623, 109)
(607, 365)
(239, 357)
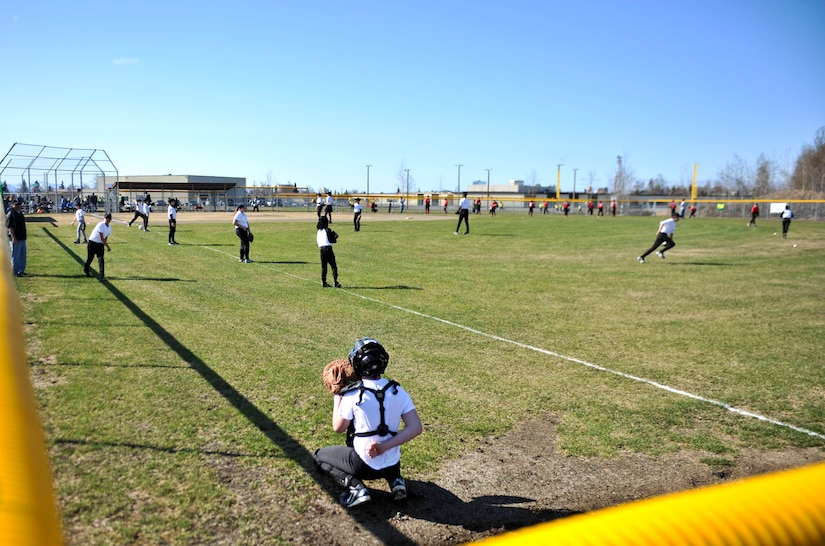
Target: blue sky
(310, 92)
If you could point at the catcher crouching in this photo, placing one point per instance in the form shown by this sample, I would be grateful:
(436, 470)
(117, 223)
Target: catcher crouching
(371, 409)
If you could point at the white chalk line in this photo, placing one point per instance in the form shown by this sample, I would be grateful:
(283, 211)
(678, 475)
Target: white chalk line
(632, 377)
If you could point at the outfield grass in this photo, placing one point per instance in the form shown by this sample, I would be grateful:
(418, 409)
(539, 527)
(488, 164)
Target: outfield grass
(185, 364)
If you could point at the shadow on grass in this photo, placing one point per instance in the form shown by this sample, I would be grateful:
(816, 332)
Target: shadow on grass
(160, 449)
(392, 287)
(281, 262)
(288, 445)
(718, 264)
(39, 218)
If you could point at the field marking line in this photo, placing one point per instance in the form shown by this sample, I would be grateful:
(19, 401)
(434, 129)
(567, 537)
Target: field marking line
(573, 359)
(650, 382)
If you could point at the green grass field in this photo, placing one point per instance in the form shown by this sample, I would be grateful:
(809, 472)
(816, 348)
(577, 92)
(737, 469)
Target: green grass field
(185, 364)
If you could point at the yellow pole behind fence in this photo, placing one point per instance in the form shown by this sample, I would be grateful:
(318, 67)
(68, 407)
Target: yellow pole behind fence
(781, 509)
(28, 508)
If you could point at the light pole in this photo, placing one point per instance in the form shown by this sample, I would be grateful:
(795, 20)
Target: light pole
(488, 187)
(558, 180)
(574, 183)
(368, 185)
(458, 189)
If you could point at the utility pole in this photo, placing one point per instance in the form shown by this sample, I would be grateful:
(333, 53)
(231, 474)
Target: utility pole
(458, 189)
(368, 185)
(488, 187)
(407, 189)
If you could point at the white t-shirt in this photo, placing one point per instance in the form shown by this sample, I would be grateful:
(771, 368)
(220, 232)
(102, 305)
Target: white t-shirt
(80, 216)
(667, 226)
(367, 416)
(173, 214)
(322, 237)
(464, 204)
(787, 214)
(241, 219)
(101, 232)
(356, 208)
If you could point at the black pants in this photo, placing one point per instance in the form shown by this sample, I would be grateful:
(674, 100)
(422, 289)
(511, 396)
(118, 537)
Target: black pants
(786, 223)
(95, 249)
(343, 465)
(173, 226)
(328, 260)
(243, 235)
(660, 238)
(463, 216)
(356, 220)
(139, 215)
(328, 213)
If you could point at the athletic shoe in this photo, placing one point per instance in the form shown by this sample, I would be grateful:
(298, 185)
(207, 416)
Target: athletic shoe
(641, 260)
(77, 242)
(355, 495)
(170, 244)
(399, 489)
(87, 272)
(327, 285)
(660, 254)
(456, 233)
(338, 284)
(147, 229)
(248, 261)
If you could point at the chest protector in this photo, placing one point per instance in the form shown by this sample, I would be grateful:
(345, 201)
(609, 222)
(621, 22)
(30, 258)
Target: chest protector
(380, 394)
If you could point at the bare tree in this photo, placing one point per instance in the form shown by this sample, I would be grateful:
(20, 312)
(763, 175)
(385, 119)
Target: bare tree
(765, 176)
(623, 177)
(809, 172)
(737, 177)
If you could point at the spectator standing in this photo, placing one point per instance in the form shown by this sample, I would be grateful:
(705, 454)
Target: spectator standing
(566, 208)
(613, 208)
(446, 204)
(682, 208)
(327, 254)
(80, 218)
(787, 214)
(530, 208)
(241, 223)
(600, 208)
(692, 210)
(463, 214)
(664, 235)
(98, 242)
(16, 227)
(427, 205)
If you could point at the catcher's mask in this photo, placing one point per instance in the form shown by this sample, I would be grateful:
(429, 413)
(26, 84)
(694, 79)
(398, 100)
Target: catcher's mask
(368, 358)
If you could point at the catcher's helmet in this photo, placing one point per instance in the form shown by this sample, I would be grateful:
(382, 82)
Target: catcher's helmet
(368, 358)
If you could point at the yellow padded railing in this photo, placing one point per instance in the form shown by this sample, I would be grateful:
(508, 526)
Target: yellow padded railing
(785, 508)
(28, 508)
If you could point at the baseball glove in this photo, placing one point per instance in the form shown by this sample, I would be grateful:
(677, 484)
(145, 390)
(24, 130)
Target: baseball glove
(338, 374)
